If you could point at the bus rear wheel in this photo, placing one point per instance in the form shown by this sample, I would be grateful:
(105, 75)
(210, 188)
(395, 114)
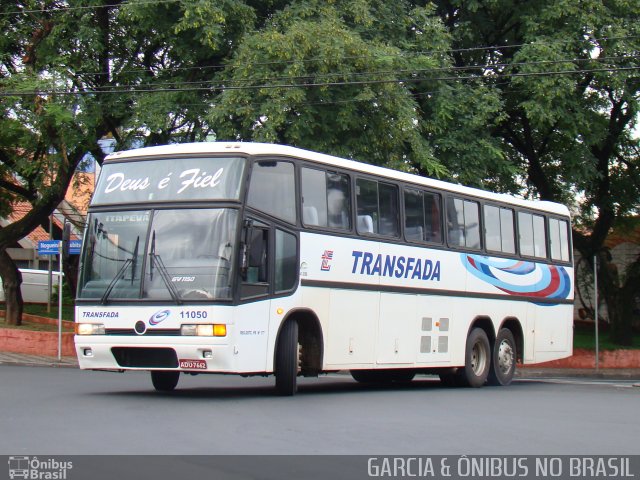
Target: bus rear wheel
(477, 359)
(286, 367)
(503, 362)
(164, 381)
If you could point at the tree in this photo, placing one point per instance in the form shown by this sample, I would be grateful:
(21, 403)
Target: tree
(567, 76)
(328, 76)
(71, 74)
(43, 136)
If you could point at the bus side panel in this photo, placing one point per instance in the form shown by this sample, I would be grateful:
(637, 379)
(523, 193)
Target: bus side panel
(251, 336)
(353, 323)
(397, 329)
(553, 337)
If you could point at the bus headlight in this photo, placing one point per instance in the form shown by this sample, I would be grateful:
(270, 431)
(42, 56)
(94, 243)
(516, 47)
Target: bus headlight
(90, 329)
(215, 330)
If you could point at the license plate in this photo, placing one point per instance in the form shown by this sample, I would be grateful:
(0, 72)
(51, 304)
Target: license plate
(193, 364)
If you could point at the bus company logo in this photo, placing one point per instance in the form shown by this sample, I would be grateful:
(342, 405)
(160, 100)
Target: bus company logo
(158, 317)
(326, 257)
(516, 277)
(38, 469)
(394, 266)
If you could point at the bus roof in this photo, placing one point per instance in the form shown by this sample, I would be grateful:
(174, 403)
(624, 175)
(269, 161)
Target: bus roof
(257, 149)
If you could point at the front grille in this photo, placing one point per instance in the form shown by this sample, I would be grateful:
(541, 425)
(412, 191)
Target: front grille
(167, 332)
(143, 357)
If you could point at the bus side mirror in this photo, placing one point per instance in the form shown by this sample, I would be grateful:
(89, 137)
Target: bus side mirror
(253, 253)
(257, 247)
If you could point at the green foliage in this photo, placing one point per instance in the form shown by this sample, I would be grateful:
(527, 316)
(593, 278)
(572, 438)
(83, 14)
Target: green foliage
(322, 76)
(68, 296)
(584, 337)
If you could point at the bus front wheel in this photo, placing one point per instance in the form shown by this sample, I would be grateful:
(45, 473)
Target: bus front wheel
(286, 367)
(477, 358)
(164, 381)
(503, 362)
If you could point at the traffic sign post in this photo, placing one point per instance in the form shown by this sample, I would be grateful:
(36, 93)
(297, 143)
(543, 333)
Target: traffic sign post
(54, 247)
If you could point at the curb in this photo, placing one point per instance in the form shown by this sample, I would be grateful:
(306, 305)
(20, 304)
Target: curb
(557, 373)
(9, 358)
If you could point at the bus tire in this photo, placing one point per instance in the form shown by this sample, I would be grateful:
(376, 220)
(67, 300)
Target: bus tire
(286, 367)
(164, 381)
(383, 376)
(478, 356)
(503, 363)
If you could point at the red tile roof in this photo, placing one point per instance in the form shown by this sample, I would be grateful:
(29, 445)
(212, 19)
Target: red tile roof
(19, 211)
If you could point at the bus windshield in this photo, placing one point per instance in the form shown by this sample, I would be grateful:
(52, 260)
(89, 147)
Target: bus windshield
(165, 255)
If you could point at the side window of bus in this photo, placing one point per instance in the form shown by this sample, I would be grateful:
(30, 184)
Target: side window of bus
(326, 200)
(286, 263)
(463, 223)
(254, 265)
(532, 235)
(378, 210)
(499, 229)
(272, 189)
(422, 216)
(559, 239)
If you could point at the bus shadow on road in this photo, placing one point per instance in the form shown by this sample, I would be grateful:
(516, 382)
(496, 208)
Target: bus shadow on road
(221, 387)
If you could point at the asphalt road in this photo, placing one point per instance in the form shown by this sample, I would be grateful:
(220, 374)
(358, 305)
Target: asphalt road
(63, 411)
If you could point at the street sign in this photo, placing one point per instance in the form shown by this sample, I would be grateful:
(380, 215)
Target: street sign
(74, 247)
(48, 247)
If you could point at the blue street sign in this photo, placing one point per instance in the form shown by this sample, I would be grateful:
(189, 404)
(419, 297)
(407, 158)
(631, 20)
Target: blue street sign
(48, 247)
(74, 247)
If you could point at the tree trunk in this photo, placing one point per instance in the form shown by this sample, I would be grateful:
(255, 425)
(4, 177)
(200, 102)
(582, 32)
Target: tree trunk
(11, 281)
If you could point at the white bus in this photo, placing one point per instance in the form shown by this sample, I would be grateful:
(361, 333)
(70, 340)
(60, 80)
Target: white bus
(258, 259)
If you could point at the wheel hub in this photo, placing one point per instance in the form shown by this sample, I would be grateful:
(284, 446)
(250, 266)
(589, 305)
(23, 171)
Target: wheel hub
(478, 359)
(505, 357)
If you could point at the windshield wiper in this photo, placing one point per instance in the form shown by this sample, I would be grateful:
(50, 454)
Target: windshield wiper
(129, 261)
(119, 275)
(164, 274)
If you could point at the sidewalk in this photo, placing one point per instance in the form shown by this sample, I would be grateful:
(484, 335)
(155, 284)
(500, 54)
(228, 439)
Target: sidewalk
(7, 358)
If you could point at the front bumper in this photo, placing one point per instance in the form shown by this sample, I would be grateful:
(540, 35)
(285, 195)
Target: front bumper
(196, 354)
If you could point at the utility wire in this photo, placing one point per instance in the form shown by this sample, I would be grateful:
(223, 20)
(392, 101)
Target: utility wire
(488, 66)
(223, 87)
(401, 54)
(87, 7)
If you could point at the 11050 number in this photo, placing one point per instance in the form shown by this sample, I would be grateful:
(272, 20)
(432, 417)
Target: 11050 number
(193, 314)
